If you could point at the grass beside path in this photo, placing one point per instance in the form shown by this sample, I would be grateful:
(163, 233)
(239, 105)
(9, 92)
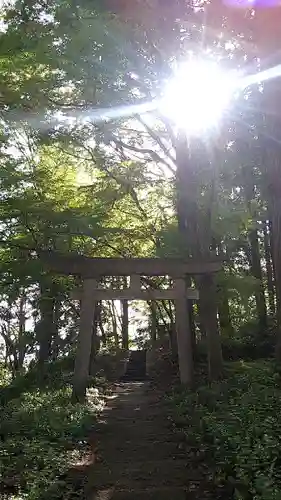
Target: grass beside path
(234, 427)
(43, 434)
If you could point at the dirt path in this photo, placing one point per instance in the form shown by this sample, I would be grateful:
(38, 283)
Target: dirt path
(140, 455)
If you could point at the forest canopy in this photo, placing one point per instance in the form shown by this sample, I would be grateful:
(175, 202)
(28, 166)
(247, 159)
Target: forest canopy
(138, 129)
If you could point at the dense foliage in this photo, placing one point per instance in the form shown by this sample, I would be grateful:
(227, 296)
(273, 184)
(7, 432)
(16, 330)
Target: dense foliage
(43, 434)
(77, 178)
(233, 426)
(85, 167)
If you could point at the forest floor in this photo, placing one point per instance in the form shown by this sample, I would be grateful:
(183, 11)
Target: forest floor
(139, 455)
(137, 441)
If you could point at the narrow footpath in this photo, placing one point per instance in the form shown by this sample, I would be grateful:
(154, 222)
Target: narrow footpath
(139, 455)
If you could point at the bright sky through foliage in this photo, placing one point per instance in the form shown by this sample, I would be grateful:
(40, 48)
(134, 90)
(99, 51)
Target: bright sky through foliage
(195, 99)
(197, 96)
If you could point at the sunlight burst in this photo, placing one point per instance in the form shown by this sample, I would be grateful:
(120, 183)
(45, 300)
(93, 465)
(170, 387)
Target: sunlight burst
(198, 95)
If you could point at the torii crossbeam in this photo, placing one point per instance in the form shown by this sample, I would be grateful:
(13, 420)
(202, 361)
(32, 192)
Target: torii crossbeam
(91, 270)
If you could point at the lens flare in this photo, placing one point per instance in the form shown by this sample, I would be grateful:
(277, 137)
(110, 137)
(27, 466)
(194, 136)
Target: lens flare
(252, 4)
(198, 95)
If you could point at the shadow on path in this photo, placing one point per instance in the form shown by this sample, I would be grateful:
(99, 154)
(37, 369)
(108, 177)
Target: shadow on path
(139, 454)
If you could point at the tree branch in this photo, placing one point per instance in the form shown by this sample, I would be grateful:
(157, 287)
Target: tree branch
(154, 156)
(157, 139)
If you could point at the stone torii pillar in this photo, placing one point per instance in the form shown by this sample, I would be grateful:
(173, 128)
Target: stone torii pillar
(91, 269)
(184, 334)
(83, 354)
(88, 297)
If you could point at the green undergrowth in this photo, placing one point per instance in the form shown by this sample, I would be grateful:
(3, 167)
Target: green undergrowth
(249, 343)
(234, 426)
(43, 434)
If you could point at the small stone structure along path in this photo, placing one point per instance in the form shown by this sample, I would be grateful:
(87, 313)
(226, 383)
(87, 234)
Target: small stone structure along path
(139, 455)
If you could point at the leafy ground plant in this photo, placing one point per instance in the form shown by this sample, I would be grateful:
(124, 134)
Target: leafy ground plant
(234, 425)
(42, 433)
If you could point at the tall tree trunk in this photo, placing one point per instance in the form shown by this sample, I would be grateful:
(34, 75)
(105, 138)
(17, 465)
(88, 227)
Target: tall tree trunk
(45, 327)
(187, 210)
(223, 299)
(249, 182)
(224, 311)
(257, 273)
(114, 324)
(192, 325)
(103, 333)
(271, 246)
(125, 324)
(153, 322)
(170, 308)
(189, 160)
(186, 202)
(276, 232)
(201, 323)
(56, 341)
(95, 339)
(162, 329)
(22, 320)
(270, 153)
(269, 269)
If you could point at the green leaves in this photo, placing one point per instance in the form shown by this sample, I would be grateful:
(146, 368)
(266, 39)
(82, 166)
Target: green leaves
(238, 422)
(40, 432)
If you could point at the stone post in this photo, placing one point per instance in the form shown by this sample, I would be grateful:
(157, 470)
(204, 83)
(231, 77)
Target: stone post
(83, 353)
(184, 337)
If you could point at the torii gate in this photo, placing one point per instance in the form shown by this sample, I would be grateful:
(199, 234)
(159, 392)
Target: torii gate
(91, 270)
